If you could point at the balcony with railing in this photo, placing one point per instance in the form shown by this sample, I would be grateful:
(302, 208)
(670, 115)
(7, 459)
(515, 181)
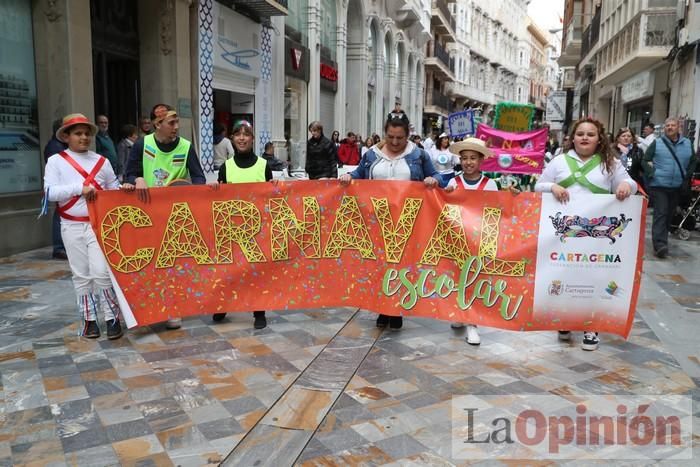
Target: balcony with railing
(439, 59)
(262, 8)
(459, 90)
(572, 37)
(438, 103)
(642, 43)
(442, 20)
(590, 35)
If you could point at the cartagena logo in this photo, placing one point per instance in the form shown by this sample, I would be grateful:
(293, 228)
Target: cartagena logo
(555, 288)
(612, 288)
(505, 160)
(566, 227)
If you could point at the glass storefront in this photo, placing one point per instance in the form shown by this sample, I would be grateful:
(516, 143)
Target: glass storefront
(20, 158)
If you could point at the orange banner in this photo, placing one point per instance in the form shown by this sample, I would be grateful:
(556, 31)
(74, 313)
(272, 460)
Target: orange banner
(396, 248)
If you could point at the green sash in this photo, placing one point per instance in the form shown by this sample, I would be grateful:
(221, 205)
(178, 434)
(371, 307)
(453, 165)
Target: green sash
(578, 174)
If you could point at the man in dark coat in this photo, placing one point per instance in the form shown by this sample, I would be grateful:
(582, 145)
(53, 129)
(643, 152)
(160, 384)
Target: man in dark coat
(321, 154)
(54, 146)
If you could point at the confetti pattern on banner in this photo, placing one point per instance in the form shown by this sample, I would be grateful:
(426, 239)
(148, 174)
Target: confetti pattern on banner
(392, 247)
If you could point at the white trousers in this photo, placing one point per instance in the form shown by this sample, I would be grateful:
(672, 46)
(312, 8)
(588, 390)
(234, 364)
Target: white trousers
(91, 280)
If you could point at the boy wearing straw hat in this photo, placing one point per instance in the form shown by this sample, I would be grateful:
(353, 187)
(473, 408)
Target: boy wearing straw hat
(73, 177)
(471, 152)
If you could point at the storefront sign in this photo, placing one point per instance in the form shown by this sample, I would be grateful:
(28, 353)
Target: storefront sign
(520, 262)
(638, 87)
(329, 75)
(515, 153)
(556, 106)
(296, 60)
(236, 42)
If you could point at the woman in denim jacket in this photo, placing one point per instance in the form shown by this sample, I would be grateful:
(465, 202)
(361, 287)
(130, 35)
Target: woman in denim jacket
(395, 158)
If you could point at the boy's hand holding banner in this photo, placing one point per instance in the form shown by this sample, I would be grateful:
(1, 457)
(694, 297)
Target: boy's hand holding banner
(522, 262)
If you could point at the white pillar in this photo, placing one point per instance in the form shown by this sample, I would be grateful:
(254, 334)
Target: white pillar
(357, 70)
(340, 99)
(277, 93)
(379, 92)
(314, 89)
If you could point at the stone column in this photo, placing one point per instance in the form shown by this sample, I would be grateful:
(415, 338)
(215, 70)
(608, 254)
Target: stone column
(314, 88)
(63, 56)
(277, 93)
(340, 95)
(357, 70)
(379, 92)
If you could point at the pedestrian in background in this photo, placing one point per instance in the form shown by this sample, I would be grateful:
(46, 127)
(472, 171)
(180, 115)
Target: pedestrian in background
(630, 154)
(369, 142)
(145, 126)
(129, 136)
(223, 149)
(55, 146)
(348, 154)
(104, 144)
(269, 155)
(668, 165)
(444, 160)
(321, 154)
(648, 136)
(335, 137)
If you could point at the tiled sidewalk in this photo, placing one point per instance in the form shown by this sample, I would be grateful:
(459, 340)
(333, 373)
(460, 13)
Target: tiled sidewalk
(189, 397)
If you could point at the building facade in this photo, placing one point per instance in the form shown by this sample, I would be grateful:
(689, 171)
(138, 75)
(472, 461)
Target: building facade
(487, 60)
(620, 51)
(279, 64)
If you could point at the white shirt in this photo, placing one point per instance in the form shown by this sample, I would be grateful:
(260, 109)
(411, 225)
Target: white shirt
(645, 142)
(490, 185)
(391, 168)
(222, 151)
(558, 170)
(428, 144)
(62, 181)
(444, 161)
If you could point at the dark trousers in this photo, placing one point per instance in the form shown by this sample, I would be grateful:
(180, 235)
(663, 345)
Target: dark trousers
(665, 202)
(56, 233)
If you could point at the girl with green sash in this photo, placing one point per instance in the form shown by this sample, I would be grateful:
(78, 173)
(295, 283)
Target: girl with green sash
(587, 166)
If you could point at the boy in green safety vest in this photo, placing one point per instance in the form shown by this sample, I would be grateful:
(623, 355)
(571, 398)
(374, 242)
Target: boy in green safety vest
(244, 167)
(587, 167)
(161, 158)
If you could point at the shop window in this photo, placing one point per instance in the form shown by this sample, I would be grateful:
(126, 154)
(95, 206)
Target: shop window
(20, 158)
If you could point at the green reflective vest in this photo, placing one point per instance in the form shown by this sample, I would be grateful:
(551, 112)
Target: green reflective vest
(160, 168)
(255, 173)
(578, 174)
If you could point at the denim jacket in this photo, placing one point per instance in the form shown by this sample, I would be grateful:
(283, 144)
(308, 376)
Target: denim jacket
(418, 163)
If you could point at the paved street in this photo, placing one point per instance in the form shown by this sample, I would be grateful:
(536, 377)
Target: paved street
(316, 387)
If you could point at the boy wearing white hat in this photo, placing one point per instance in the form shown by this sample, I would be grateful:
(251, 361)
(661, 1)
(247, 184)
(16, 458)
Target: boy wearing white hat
(73, 177)
(471, 152)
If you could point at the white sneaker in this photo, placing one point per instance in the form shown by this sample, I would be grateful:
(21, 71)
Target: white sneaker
(173, 323)
(590, 341)
(473, 335)
(457, 325)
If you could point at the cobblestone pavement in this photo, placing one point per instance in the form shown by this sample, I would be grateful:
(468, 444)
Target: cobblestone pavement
(316, 387)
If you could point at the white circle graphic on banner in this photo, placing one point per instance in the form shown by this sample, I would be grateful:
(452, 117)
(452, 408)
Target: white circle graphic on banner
(505, 160)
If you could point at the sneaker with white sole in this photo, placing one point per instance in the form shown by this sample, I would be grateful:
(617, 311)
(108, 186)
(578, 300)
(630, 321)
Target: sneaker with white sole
(565, 336)
(590, 341)
(473, 335)
(457, 325)
(173, 323)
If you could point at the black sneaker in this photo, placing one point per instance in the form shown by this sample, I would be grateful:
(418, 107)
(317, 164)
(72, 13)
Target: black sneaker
(114, 329)
(91, 330)
(260, 320)
(382, 321)
(218, 317)
(662, 252)
(395, 323)
(565, 336)
(590, 341)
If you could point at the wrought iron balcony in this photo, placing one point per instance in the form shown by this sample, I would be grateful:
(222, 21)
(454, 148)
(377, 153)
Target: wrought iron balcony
(442, 20)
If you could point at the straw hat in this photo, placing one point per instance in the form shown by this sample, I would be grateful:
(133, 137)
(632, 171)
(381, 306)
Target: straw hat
(72, 120)
(472, 144)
